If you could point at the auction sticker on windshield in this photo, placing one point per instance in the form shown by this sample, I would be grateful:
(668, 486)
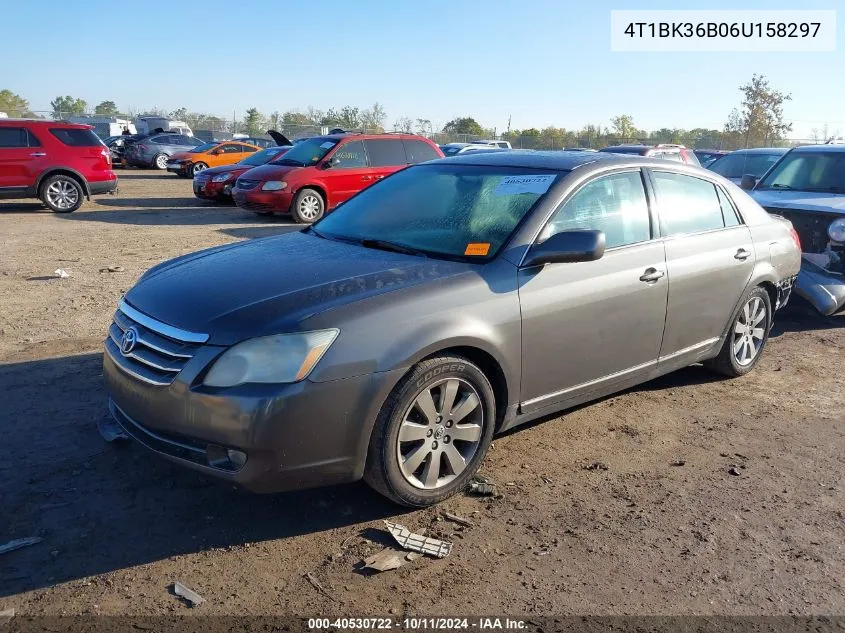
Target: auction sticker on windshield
(513, 185)
(479, 249)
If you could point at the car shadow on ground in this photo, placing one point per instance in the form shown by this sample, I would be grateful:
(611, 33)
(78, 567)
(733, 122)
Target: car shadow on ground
(799, 316)
(23, 207)
(154, 203)
(122, 174)
(176, 215)
(101, 507)
(250, 232)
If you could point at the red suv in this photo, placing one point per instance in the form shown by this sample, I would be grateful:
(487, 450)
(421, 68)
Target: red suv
(60, 163)
(316, 175)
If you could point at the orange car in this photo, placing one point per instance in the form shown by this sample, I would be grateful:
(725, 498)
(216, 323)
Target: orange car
(190, 163)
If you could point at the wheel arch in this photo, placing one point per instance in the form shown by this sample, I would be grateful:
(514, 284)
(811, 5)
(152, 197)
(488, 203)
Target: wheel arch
(63, 171)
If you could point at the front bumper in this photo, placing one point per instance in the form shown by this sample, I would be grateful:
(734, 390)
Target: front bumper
(176, 168)
(299, 435)
(263, 201)
(821, 288)
(209, 190)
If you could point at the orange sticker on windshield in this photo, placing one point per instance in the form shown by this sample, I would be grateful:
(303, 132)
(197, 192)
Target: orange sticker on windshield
(477, 248)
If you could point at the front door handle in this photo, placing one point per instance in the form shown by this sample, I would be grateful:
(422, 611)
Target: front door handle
(742, 254)
(651, 275)
(366, 177)
(379, 177)
(38, 154)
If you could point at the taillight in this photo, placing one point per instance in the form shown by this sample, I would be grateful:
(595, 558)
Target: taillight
(107, 156)
(795, 237)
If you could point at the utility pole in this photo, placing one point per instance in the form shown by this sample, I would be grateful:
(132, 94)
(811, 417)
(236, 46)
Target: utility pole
(509, 124)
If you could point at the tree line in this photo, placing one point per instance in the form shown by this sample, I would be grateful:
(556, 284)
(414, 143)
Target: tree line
(758, 121)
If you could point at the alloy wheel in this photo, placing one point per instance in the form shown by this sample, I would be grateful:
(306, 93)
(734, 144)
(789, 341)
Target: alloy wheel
(749, 331)
(62, 194)
(440, 433)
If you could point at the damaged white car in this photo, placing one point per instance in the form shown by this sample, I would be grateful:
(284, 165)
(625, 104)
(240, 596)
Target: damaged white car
(807, 187)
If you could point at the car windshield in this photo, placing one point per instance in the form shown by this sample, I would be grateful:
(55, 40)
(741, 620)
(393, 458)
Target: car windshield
(737, 164)
(451, 150)
(808, 171)
(441, 210)
(262, 157)
(307, 153)
(203, 148)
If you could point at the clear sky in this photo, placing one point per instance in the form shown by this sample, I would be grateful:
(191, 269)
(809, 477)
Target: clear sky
(543, 62)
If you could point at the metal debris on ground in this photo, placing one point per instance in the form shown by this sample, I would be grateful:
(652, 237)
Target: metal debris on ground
(733, 470)
(389, 558)
(454, 518)
(61, 273)
(596, 466)
(482, 487)
(18, 543)
(191, 597)
(311, 578)
(417, 542)
(112, 269)
(111, 430)
(679, 462)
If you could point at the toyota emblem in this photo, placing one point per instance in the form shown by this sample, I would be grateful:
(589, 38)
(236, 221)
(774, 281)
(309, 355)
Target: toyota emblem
(127, 343)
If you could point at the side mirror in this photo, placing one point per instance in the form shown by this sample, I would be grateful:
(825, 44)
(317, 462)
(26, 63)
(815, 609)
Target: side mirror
(567, 247)
(329, 162)
(748, 182)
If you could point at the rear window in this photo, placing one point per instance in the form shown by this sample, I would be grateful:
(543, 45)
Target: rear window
(386, 152)
(76, 138)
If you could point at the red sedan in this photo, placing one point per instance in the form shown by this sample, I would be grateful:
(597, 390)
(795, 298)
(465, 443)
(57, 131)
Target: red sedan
(216, 183)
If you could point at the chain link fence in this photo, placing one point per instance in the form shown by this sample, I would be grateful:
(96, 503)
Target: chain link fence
(221, 128)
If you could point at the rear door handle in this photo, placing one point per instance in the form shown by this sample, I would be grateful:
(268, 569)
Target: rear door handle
(38, 154)
(366, 177)
(651, 275)
(742, 254)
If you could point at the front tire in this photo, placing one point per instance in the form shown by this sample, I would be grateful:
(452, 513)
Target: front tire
(308, 206)
(432, 433)
(197, 168)
(747, 335)
(61, 194)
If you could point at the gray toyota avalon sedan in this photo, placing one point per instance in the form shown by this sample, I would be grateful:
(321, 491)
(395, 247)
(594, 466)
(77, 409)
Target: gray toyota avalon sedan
(450, 301)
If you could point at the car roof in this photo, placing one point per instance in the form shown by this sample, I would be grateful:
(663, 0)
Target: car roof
(830, 147)
(531, 159)
(47, 122)
(762, 150)
(362, 136)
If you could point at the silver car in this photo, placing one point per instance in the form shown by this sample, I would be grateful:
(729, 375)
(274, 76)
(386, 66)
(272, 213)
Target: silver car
(155, 150)
(450, 301)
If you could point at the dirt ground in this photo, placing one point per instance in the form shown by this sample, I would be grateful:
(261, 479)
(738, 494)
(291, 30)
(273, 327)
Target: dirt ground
(645, 536)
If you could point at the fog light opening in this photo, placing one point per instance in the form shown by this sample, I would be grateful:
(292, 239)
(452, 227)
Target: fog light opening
(224, 458)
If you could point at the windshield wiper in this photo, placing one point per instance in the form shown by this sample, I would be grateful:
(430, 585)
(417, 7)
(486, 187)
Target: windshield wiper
(390, 246)
(289, 161)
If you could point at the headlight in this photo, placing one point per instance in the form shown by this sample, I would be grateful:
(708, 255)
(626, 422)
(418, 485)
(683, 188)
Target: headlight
(836, 230)
(274, 185)
(271, 359)
(222, 177)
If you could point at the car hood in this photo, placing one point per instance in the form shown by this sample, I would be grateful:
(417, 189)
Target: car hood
(234, 167)
(270, 172)
(270, 285)
(815, 201)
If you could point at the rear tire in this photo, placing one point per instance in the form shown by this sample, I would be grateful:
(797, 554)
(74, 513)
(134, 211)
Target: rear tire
(61, 194)
(160, 161)
(308, 206)
(432, 432)
(747, 335)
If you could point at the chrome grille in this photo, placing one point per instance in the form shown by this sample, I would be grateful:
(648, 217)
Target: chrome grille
(160, 351)
(246, 184)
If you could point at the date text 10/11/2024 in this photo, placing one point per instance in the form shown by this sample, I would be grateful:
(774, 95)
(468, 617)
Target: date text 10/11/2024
(418, 624)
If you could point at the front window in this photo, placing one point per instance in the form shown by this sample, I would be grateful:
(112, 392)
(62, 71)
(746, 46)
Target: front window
(262, 157)
(452, 211)
(307, 153)
(808, 171)
(199, 149)
(738, 164)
